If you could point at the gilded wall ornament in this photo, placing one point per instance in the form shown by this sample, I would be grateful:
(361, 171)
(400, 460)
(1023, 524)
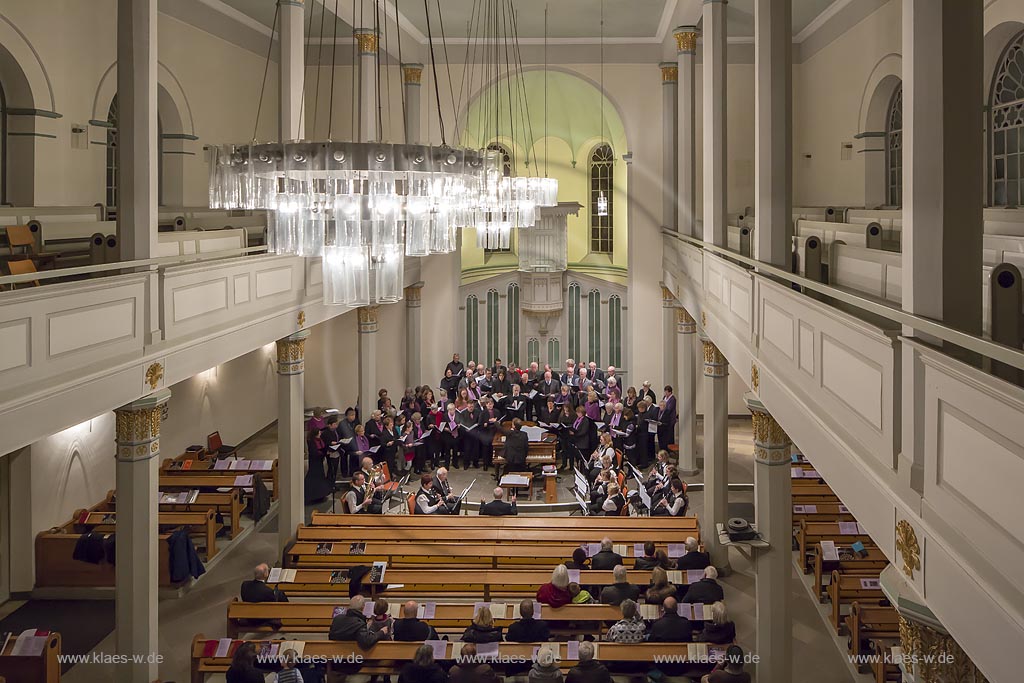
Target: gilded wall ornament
(755, 377)
(906, 543)
(301, 319)
(154, 373)
(703, 320)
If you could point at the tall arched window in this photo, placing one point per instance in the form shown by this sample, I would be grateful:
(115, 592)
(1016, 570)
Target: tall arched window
(472, 329)
(574, 320)
(506, 170)
(602, 180)
(615, 330)
(533, 350)
(492, 326)
(3, 146)
(112, 172)
(894, 148)
(594, 326)
(554, 352)
(512, 352)
(1006, 127)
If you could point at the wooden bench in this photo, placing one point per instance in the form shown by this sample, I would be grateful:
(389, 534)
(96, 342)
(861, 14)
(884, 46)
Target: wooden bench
(845, 589)
(885, 667)
(42, 668)
(595, 525)
(229, 505)
(866, 622)
(199, 467)
(538, 535)
(809, 533)
(55, 565)
(823, 512)
(187, 480)
(871, 564)
(202, 521)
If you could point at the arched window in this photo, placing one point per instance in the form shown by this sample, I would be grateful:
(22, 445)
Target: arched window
(894, 149)
(472, 331)
(602, 180)
(492, 326)
(615, 330)
(1006, 126)
(533, 350)
(506, 170)
(3, 146)
(512, 352)
(112, 172)
(594, 326)
(574, 320)
(554, 352)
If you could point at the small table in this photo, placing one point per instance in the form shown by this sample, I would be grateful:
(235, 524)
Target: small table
(511, 489)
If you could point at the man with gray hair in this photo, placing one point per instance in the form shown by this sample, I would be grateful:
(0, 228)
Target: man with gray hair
(257, 590)
(351, 625)
(607, 558)
(620, 590)
(589, 670)
(693, 558)
(498, 507)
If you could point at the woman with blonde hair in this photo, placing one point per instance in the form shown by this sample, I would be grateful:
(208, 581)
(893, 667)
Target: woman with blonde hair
(482, 630)
(660, 587)
(718, 628)
(556, 591)
(614, 502)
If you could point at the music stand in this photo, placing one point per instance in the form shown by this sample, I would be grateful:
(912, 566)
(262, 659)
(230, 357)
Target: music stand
(462, 496)
(386, 503)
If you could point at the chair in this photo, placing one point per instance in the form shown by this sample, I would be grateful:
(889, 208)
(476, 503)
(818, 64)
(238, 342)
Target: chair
(411, 500)
(20, 236)
(215, 446)
(618, 459)
(23, 267)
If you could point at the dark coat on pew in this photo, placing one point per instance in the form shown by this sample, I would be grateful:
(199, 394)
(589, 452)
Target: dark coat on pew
(482, 634)
(414, 673)
(255, 590)
(606, 559)
(694, 560)
(704, 591)
(528, 631)
(720, 634)
(617, 592)
(590, 671)
(413, 630)
(351, 625)
(671, 628)
(498, 508)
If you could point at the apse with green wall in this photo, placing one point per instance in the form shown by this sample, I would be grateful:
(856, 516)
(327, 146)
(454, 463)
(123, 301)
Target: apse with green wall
(555, 124)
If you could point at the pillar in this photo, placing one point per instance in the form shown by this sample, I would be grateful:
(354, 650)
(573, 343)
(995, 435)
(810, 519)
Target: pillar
(291, 362)
(716, 451)
(632, 260)
(291, 68)
(942, 199)
(668, 310)
(773, 566)
(367, 40)
(138, 151)
(413, 335)
(412, 74)
(669, 149)
(715, 159)
(136, 575)
(367, 361)
(686, 391)
(686, 161)
(773, 131)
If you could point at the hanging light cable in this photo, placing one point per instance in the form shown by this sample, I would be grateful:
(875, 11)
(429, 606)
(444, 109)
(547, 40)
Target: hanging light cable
(602, 198)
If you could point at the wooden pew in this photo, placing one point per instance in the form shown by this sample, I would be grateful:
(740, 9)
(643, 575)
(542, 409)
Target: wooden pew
(203, 521)
(845, 589)
(865, 622)
(538, 535)
(809, 533)
(388, 656)
(594, 524)
(171, 467)
(299, 617)
(44, 668)
(186, 481)
(885, 667)
(229, 505)
(56, 567)
(823, 512)
(871, 564)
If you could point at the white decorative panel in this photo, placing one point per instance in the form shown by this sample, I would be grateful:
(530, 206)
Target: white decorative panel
(167, 249)
(15, 344)
(241, 283)
(81, 328)
(220, 244)
(807, 348)
(739, 302)
(853, 379)
(777, 329)
(199, 299)
(270, 282)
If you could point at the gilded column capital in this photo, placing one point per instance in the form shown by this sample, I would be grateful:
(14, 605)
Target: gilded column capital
(291, 353)
(932, 656)
(367, 319)
(669, 72)
(771, 443)
(715, 364)
(412, 74)
(367, 39)
(414, 296)
(686, 39)
(685, 324)
(137, 431)
(668, 300)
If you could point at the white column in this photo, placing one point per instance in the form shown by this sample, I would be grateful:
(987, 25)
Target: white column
(686, 392)
(669, 148)
(942, 198)
(291, 362)
(367, 40)
(716, 451)
(367, 361)
(668, 346)
(413, 335)
(136, 575)
(773, 131)
(686, 161)
(715, 68)
(291, 68)
(138, 151)
(773, 505)
(412, 74)
(632, 260)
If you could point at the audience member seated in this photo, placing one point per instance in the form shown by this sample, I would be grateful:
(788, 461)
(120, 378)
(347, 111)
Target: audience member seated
(243, 666)
(381, 620)
(631, 628)
(620, 590)
(410, 628)
(660, 587)
(671, 627)
(470, 670)
(482, 630)
(579, 560)
(545, 667)
(527, 629)
(730, 670)
(351, 625)
(606, 558)
(649, 560)
(580, 596)
(589, 670)
(289, 672)
(257, 590)
(707, 590)
(693, 558)
(498, 507)
(718, 629)
(423, 668)
(556, 591)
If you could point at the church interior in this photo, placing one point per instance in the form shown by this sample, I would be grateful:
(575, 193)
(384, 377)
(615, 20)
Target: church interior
(334, 333)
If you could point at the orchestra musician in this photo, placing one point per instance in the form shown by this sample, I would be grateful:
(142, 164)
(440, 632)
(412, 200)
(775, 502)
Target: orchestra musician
(674, 502)
(428, 500)
(376, 486)
(358, 498)
(450, 501)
